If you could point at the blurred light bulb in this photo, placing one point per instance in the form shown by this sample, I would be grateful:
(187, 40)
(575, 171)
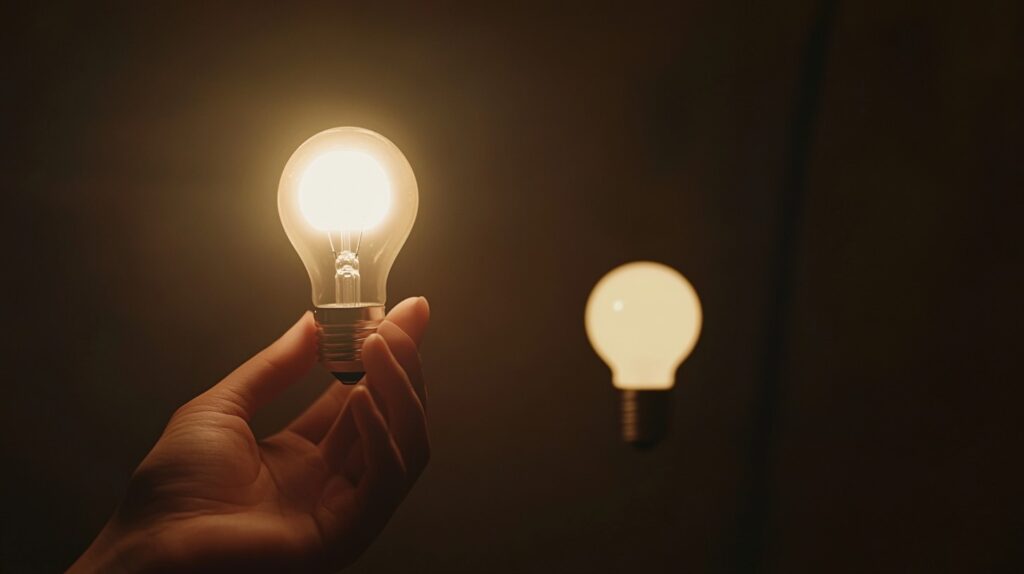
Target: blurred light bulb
(348, 200)
(643, 319)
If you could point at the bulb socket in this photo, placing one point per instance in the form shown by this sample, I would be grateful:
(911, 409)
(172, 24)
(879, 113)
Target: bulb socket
(341, 332)
(645, 417)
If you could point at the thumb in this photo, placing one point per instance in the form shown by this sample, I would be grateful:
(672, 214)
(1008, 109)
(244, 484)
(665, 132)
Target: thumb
(257, 381)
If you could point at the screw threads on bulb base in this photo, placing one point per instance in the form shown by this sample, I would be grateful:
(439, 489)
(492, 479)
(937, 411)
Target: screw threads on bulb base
(645, 417)
(340, 333)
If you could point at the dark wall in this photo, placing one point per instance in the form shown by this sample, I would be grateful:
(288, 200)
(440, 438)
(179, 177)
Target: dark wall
(836, 183)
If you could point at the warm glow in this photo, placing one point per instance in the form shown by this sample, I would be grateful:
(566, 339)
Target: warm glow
(344, 190)
(643, 319)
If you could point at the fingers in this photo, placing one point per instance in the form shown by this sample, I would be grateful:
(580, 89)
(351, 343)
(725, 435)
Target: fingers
(404, 349)
(361, 429)
(314, 423)
(394, 394)
(257, 381)
(355, 516)
(385, 481)
(395, 398)
(380, 454)
(410, 316)
(342, 438)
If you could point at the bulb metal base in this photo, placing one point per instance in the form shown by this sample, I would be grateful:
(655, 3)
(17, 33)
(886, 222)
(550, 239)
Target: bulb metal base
(645, 417)
(341, 332)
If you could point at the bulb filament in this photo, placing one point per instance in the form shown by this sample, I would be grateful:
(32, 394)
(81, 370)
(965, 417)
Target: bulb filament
(346, 267)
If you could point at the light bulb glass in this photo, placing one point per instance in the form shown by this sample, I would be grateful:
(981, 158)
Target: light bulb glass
(643, 319)
(347, 199)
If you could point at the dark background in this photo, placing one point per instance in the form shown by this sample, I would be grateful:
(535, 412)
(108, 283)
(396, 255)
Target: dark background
(840, 182)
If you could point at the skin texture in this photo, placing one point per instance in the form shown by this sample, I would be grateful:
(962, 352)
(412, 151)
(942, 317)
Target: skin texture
(211, 497)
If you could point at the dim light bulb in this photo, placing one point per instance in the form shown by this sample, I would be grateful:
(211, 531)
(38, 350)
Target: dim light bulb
(643, 319)
(347, 199)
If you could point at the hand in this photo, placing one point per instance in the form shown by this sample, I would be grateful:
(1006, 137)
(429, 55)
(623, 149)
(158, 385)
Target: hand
(210, 497)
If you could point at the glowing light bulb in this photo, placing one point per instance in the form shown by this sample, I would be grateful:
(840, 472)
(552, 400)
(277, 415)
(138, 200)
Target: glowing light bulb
(643, 319)
(344, 189)
(348, 199)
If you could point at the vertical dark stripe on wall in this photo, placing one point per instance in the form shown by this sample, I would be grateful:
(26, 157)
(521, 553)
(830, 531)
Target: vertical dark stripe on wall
(755, 505)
